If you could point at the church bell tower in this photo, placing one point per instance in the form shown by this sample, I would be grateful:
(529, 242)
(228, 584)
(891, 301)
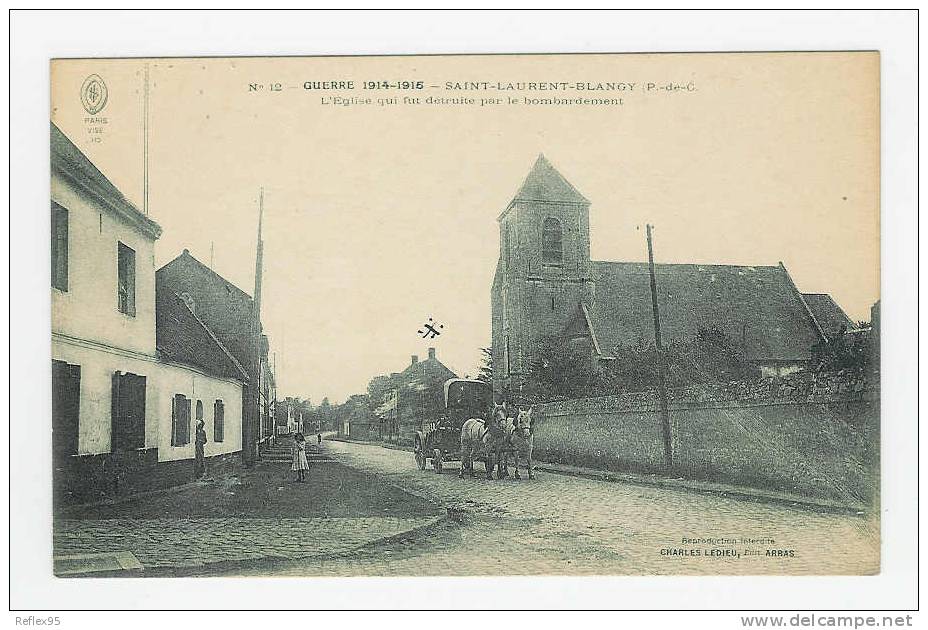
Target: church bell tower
(543, 275)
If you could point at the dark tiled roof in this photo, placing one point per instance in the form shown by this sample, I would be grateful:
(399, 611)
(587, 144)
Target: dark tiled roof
(66, 156)
(757, 307)
(545, 183)
(425, 373)
(223, 307)
(830, 316)
(429, 371)
(183, 338)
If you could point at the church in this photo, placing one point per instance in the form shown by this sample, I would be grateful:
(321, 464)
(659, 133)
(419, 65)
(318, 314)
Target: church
(546, 285)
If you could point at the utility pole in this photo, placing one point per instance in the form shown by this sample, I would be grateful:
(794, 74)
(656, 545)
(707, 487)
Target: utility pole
(272, 419)
(251, 424)
(145, 98)
(661, 377)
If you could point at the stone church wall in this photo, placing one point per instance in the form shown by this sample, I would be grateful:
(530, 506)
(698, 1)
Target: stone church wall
(813, 435)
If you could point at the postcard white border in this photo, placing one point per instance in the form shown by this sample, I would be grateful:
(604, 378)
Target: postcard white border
(37, 36)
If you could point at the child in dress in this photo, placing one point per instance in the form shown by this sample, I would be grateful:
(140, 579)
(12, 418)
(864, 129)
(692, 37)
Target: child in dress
(298, 451)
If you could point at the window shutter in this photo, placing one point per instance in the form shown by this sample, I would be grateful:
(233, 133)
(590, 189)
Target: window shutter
(59, 247)
(186, 421)
(135, 411)
(66, 397)
(178, 419)
(219, 420)
(127, 427)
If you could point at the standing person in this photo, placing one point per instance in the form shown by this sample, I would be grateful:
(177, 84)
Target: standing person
(318, 438)
(200, 445)
(298, 451)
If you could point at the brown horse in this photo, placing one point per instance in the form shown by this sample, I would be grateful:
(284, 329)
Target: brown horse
(482, 437)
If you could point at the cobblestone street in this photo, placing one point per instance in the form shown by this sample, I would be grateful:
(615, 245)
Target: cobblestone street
(372, 512)
(567, 525)
(181, 543)
(260, 514)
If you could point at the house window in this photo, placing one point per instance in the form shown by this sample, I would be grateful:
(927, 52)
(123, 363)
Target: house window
(180, 421)
(59, 247)
(551, 248)
(219, 421)
(126, 280)
(128, 412)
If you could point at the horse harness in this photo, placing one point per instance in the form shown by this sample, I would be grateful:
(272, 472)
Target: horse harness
(486, 428)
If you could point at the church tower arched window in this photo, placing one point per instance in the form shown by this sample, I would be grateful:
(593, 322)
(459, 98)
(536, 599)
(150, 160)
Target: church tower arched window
(551, 242)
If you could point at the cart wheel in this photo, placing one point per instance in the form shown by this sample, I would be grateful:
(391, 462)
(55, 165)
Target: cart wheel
(420, 456)
(436, 461)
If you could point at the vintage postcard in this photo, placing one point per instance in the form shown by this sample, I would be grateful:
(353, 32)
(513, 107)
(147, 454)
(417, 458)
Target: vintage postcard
(594, 314)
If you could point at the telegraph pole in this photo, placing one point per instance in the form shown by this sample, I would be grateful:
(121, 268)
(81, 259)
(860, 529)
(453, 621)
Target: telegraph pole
(251, 424)
(661, 377)
(145, 98)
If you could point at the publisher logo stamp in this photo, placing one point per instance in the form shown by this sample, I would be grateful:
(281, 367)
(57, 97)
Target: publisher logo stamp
(93, 94)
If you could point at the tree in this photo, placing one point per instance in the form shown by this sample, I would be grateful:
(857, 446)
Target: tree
(709, 357)
(558, 371)
(378, 387)
(326, 416)
(485, 372)
(845, 351)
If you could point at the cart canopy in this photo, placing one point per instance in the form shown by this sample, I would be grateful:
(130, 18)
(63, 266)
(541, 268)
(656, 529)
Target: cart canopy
(474, 397)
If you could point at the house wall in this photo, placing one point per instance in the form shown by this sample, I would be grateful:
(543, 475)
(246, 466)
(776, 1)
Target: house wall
(89, 331)
(89, 309)
(95, 473)
(808, 434)
(197, 386)
(227, 311)
(98, 364)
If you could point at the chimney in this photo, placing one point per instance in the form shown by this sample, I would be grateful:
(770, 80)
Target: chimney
(431, 353)
(415, 359)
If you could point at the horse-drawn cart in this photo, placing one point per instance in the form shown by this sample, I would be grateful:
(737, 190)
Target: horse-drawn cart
(439, 439)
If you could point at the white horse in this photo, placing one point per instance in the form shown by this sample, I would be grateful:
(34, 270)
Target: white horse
(520, 435)
(479, 436)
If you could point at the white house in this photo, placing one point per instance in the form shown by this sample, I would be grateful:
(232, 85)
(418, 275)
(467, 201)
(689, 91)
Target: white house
(123, 408)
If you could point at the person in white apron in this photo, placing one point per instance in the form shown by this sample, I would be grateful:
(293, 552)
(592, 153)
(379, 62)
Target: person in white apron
(298, 452)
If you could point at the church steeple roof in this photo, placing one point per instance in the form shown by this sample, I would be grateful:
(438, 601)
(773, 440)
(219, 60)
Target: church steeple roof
(545, 183)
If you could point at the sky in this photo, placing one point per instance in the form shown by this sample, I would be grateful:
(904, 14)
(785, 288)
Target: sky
(378, 217)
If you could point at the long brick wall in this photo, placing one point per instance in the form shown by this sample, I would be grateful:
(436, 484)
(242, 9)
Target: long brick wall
(815, 435)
